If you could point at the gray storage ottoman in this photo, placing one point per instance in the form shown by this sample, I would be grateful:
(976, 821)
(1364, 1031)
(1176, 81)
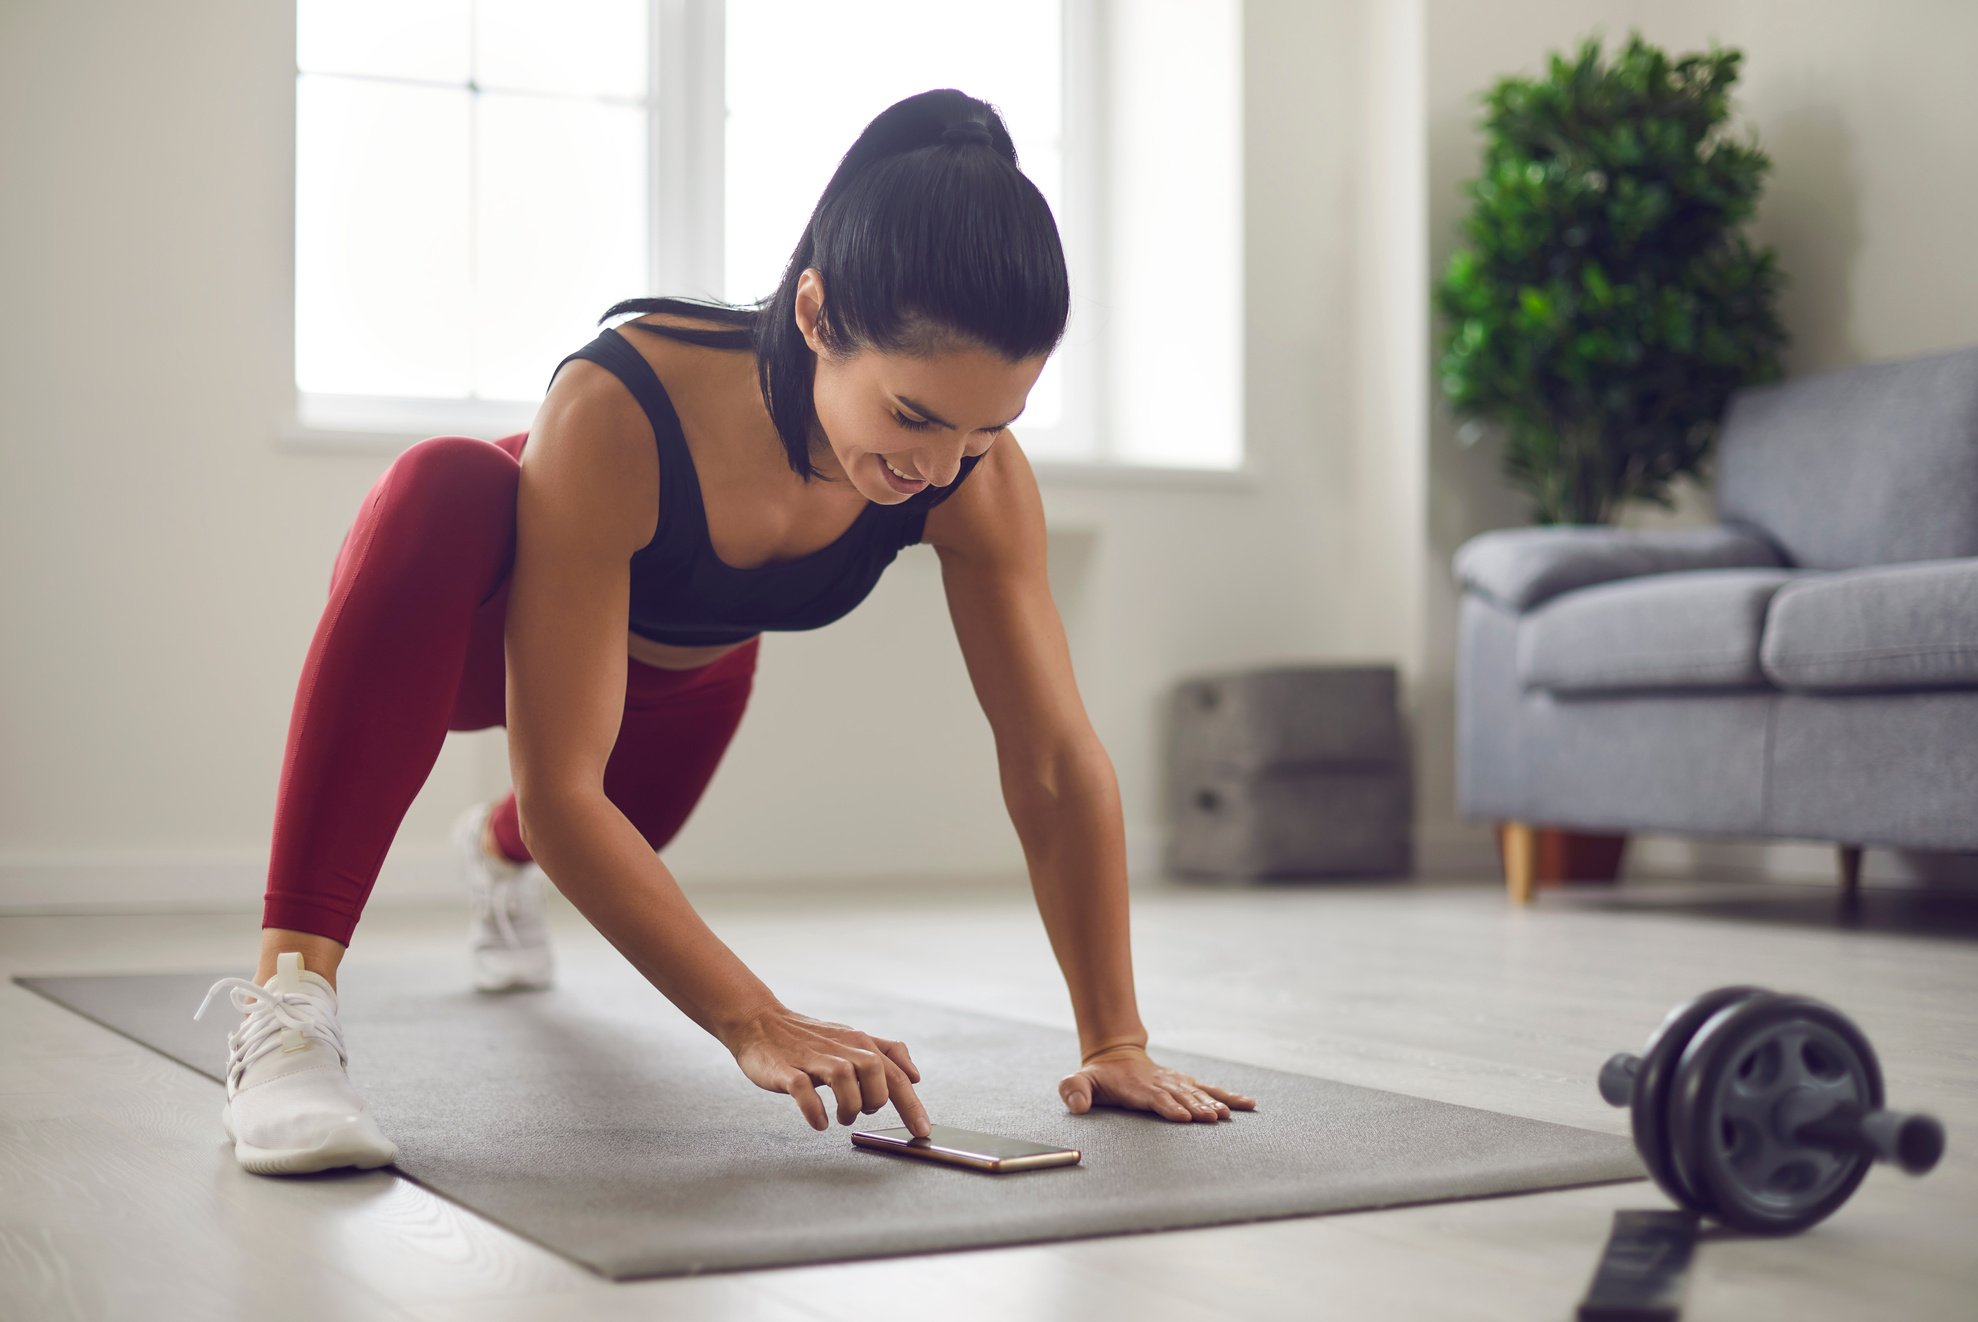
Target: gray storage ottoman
(1288, 771)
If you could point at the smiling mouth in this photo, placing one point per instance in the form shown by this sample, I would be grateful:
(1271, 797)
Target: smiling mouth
(909, 486)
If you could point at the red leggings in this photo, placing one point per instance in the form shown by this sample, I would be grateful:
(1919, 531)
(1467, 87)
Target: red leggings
(409, 647)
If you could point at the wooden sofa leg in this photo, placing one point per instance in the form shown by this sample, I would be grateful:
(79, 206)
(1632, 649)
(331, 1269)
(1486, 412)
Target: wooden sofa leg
(1520, 861)
(1850, 874)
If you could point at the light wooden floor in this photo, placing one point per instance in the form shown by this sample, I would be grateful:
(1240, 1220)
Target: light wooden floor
(119, 1196)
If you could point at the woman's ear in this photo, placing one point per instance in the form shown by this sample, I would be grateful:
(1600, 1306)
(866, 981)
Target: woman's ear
(807, 305)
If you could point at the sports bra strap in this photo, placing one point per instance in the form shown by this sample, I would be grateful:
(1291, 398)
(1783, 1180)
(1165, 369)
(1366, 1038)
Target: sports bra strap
(611, 351)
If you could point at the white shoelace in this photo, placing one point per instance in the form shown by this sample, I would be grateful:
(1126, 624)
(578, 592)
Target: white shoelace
(498, 887)
(494, 903)
(272, 1012)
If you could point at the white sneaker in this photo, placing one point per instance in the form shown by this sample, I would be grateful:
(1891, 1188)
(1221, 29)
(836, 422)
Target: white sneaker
(507, 935)
(290, 1107)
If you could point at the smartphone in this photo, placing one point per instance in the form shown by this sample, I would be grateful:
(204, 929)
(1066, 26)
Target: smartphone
(966, 1147)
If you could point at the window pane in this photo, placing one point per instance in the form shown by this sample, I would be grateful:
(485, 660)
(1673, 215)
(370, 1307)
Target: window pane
(561, 211)
(579, 47)
(382, 280)
(388, 38)
(1185, 224)
(800, 91)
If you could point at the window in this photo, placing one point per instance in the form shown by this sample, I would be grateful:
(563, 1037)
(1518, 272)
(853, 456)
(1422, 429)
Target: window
(476, 180)
(469, 197)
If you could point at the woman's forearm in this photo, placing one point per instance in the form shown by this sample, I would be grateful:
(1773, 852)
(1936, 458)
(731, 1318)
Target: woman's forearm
(1074, 840)
(598, 859)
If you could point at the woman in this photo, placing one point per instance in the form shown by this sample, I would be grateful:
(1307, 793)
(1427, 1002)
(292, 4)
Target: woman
(797, 446)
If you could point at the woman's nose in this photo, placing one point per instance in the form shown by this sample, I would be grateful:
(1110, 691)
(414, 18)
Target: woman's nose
(946, 465)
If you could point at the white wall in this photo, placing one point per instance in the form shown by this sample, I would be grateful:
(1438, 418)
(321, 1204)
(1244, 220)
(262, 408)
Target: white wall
(166, 560)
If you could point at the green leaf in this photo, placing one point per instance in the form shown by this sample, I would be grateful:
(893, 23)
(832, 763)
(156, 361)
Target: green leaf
(1606, 292)
(1599, 292)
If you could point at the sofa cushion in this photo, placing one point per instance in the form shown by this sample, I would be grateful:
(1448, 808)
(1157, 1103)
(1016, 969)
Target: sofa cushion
(1872, 464)
(1519, 568)
(1911, 626)
(1698, 630)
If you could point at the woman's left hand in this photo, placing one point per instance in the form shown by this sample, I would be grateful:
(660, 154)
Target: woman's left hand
(1128, 1077)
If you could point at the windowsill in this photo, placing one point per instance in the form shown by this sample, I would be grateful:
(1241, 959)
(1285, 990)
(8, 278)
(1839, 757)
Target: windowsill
(340, 437)
(294, 435)
(1055, 472)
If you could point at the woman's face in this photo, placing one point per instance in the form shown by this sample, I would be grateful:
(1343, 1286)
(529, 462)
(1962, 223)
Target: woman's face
(921, 415)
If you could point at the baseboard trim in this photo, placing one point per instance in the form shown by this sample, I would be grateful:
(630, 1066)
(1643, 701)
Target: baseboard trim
(151, 883)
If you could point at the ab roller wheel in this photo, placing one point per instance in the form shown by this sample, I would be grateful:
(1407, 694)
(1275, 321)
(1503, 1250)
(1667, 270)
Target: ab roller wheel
(1763, 1111)
(1643, 1084)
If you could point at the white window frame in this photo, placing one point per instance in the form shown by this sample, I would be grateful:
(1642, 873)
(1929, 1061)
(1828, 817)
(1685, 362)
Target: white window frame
(687, 112)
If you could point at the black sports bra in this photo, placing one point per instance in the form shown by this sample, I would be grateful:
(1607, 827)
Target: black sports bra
(683, 594)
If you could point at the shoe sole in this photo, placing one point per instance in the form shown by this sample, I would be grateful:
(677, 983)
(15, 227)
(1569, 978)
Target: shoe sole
(355, 1142)
(358, 1143)
(512, 984)
(531, 969)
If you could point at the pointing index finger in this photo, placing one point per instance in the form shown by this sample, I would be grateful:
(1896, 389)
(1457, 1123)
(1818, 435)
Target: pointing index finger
(905, 1102)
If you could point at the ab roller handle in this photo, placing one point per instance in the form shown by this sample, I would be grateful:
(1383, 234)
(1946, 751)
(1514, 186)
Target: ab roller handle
(1910, 1140)
(1617, 1079)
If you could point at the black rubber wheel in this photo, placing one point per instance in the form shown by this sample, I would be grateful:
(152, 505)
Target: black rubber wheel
(1649, 1108)
(1752, 1074)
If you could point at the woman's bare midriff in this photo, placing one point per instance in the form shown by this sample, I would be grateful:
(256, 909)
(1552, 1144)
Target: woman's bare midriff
(668, 657)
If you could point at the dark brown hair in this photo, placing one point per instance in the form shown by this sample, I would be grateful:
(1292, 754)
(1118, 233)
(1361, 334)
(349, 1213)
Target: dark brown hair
(928, 237)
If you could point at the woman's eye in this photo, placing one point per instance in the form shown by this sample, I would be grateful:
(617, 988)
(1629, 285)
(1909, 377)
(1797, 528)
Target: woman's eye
(921, 424)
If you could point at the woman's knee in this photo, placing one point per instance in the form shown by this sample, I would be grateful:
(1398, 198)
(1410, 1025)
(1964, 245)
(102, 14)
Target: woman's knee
(451, 492)
(454, 475)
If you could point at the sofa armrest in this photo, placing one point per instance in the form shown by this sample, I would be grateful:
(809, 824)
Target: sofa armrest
(1520, 568)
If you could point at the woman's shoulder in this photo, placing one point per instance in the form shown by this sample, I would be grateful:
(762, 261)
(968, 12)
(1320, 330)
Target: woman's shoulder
(682, 366)
(695, 377)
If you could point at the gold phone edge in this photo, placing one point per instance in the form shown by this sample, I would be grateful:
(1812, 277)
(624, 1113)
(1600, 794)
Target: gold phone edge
(1069, 1157)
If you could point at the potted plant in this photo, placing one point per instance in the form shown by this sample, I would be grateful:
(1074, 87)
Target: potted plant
(1607, 302)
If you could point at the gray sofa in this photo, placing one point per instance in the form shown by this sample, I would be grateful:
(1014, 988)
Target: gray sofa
(1805, 669)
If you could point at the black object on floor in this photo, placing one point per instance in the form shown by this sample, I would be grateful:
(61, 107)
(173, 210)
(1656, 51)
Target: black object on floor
(1642, 1274)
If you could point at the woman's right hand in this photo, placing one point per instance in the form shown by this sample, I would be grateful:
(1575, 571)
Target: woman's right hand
(783, 1051)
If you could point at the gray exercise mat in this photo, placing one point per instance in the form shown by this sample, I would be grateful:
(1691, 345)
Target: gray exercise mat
(597, 1120)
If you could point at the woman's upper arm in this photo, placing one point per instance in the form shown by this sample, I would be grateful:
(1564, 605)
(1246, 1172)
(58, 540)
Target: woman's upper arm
(585, 504)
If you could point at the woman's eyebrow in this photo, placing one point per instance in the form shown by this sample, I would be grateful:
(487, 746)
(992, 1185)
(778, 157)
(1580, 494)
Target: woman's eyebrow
(932, 416)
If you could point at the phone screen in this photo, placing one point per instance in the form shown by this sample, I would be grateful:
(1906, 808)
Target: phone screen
(967, 1147)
